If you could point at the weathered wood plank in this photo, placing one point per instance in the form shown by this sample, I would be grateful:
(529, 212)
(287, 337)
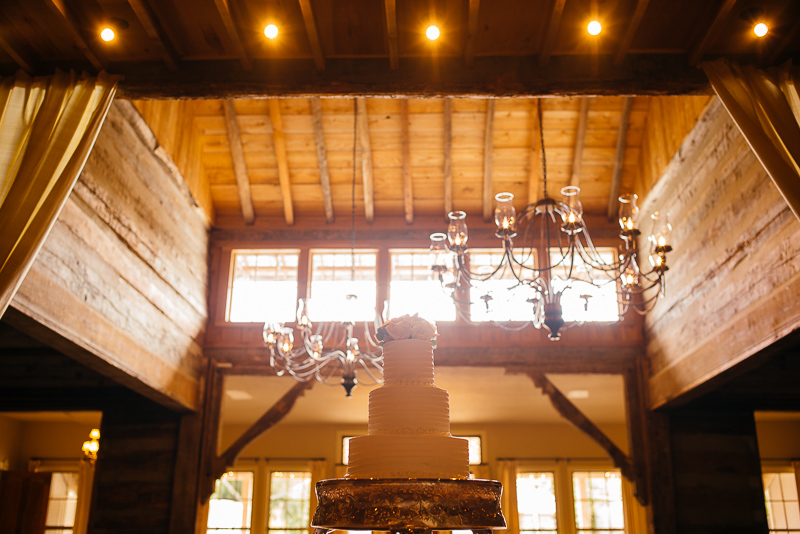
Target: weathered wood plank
(279, 142)
(239, 165)
(322, 158)
(365, 152)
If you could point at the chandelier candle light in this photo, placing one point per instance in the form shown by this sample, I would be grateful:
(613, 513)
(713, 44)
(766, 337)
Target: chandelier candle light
(547, 252)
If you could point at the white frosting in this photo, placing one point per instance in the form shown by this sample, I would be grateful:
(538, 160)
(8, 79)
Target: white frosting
(409, 422)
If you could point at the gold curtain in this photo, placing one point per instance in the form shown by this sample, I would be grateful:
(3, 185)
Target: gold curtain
(766, 109)
(507, 475)
(48, 126)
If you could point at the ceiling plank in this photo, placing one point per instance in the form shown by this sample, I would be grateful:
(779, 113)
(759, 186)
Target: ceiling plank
(155, 32)
(408, 190)
(580, 139)
(536, 170)
(313, 34)
(711, 34)
(239, 167)
(472, 32)
(488, 153)
(630, 32)
(391, 33)
(322, 158)
(224, 11)
(73, 26)
(279, 141)
(448, 156)
(366, 159)
(553, 22)
(619, 157)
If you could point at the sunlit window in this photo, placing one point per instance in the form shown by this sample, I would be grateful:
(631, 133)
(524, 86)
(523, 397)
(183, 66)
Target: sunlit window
(333, 277)
(493, 300)
(597, 496)
(583, 301)
(263, 286)
(413, 290)
(780, 495)
(230, 508)
(536, 502)
(62, 503)
(289, 502)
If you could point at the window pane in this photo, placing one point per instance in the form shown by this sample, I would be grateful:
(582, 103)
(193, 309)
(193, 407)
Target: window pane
(584, 301)
(263, 286)
(413, 289)
(231, 505)
(501, 298)
(63, 501)
(780, 496)
(333, 278)
(289, 501)
(598, 501)
(536, 502)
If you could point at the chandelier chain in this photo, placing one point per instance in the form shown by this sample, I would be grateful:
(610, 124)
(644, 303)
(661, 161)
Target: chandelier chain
(541, 140)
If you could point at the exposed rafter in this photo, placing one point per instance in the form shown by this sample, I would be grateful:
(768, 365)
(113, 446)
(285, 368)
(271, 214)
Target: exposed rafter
(580, 139)
(488, 155)
(472, 32)
(313, 35)
(224, 10)
(448, 156)
(788, 37)
(553, 22)
(74, 27)
(155, 32)
(391, 32)
(712, 33)
(239, 167)
(20, 57)
(630, 31)
(279, 141)
(619, 157)
(408, 190)
(365, 149)
(322, 158)
(535, 171)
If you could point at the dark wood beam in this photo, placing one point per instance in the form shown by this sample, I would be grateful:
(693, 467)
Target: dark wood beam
(488, 146)
(646, 75)
(536, 171)
(580, 139)
(448, 156)
(155, 32)
(365, 148)
(784, 42)
(10, 42)
(712, 33)
(239, 166)
(636, 415)
(73, 26)
(391, 33)
(225, 14)
(322, 158)
(553, 22)
(572, 414)
(630, 31)
(408, 189)
(619, 157)
(313, 34)
(472, 32)
(279, 141)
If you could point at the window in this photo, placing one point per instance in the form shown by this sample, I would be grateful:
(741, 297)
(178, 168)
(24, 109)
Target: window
(492, 300)
(62, 503)
(536, 502)
(586, 302)
(597, 496)
(263, 286)
(780, 496)
(413, 289)
(333, 277)
(289, 502)
(230, 508)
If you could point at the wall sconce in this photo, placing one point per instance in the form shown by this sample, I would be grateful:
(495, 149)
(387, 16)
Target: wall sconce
(91, 446)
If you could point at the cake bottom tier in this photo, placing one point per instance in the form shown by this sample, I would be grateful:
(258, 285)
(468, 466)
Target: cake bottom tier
(408, 456)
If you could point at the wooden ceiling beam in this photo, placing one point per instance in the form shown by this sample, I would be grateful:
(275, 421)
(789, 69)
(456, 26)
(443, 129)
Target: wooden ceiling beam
(279, 142)
(553, 22)
(74, 27)
(472, 32)
(365, 149)
(408, 189)
(225, 14)
(784, 42)
(239, 167)
(488, 153)
(448, 156)
(322, 158)
(619, 157)
(536, 170)
(580, 139)
(155, 32)
(391, 33)
(313, 34)
(630, 31)
(711, 34)
(20, 57)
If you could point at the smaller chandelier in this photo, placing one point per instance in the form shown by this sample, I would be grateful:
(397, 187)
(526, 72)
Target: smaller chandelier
(91, 446)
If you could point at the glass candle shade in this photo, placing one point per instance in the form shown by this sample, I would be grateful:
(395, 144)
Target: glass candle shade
(457, 230)
(628, 212)
(572, 200)
(439, 252)
(505, 217)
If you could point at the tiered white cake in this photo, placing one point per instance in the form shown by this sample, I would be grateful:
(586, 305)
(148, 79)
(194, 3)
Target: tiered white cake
(409, 421)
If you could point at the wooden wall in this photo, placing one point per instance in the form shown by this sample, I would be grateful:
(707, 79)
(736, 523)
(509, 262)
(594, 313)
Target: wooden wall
(735, 272)
(120, 283)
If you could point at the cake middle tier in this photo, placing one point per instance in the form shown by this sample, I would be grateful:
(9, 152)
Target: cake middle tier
(408, 456)
(409, 409)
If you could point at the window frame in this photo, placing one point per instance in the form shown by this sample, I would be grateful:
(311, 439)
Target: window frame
(231, 271)
(421, 252)
(85, 471)
(342, 250)
(775, 467)
(240, 469)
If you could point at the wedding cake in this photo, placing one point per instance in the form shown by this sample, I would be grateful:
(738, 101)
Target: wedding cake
(409, 417)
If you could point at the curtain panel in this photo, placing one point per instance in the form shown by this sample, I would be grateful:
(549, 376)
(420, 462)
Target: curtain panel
(48, 127)
(766, 109)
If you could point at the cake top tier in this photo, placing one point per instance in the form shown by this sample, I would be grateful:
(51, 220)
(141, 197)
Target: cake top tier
(407, 327)
(408, 361)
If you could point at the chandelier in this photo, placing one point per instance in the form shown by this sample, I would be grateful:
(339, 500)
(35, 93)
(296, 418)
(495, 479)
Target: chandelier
(547, 253)
(330, 354)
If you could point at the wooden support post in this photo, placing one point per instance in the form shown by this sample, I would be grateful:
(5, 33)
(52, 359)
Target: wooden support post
(239, 166)
(322, 158)
(635, 413)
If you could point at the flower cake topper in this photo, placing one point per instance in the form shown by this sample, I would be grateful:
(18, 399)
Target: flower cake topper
(407, 327)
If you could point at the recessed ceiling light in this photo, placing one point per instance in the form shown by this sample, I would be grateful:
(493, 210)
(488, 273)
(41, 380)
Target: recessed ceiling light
(760, 29)
(271, 31)
(107, 34)
(594, 28)
(236, 394)
(432, 32)
(578, 394)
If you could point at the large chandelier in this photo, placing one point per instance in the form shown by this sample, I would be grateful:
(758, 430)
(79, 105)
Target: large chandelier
(331, 353)
(548, 252)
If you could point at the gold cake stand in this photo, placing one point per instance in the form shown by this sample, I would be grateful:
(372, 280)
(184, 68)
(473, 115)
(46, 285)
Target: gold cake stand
(415, 505)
